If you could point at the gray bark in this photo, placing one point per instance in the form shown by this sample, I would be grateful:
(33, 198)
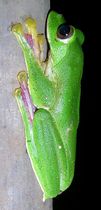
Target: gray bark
(19, 188)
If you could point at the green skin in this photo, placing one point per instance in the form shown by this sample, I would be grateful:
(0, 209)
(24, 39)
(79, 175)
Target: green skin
(51, 133)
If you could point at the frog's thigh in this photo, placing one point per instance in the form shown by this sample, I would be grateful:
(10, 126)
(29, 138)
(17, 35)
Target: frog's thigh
(52, 159)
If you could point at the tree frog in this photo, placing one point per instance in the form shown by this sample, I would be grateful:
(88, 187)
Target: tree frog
(49, 99)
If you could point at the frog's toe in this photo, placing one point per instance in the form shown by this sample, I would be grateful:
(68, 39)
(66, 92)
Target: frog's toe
(22, 77)
(17, 92)
(17, 28)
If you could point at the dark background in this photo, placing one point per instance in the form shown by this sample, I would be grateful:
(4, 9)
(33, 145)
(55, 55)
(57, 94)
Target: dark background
(83, 15)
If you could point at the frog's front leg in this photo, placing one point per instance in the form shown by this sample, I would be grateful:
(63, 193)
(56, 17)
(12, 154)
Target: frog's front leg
(41, 88)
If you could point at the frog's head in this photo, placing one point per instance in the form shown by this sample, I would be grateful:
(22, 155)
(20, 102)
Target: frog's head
(61, 36)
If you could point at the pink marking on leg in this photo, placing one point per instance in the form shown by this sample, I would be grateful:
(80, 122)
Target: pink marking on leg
(33, 44)
(27, 100)
(29, 39)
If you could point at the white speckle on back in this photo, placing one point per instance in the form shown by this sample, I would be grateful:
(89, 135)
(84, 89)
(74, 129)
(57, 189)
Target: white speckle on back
(69, 128)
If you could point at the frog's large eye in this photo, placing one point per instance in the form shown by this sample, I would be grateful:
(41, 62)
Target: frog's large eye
(64, 31)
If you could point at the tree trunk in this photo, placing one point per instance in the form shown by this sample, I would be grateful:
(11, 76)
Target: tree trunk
(19, 188)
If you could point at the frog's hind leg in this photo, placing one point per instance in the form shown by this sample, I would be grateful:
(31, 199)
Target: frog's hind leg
(22, 78)
(27, 109)
(43, 142)
(52, 157)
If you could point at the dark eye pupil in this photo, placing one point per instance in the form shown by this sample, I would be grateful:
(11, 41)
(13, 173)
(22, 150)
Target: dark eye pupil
(64, 31)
